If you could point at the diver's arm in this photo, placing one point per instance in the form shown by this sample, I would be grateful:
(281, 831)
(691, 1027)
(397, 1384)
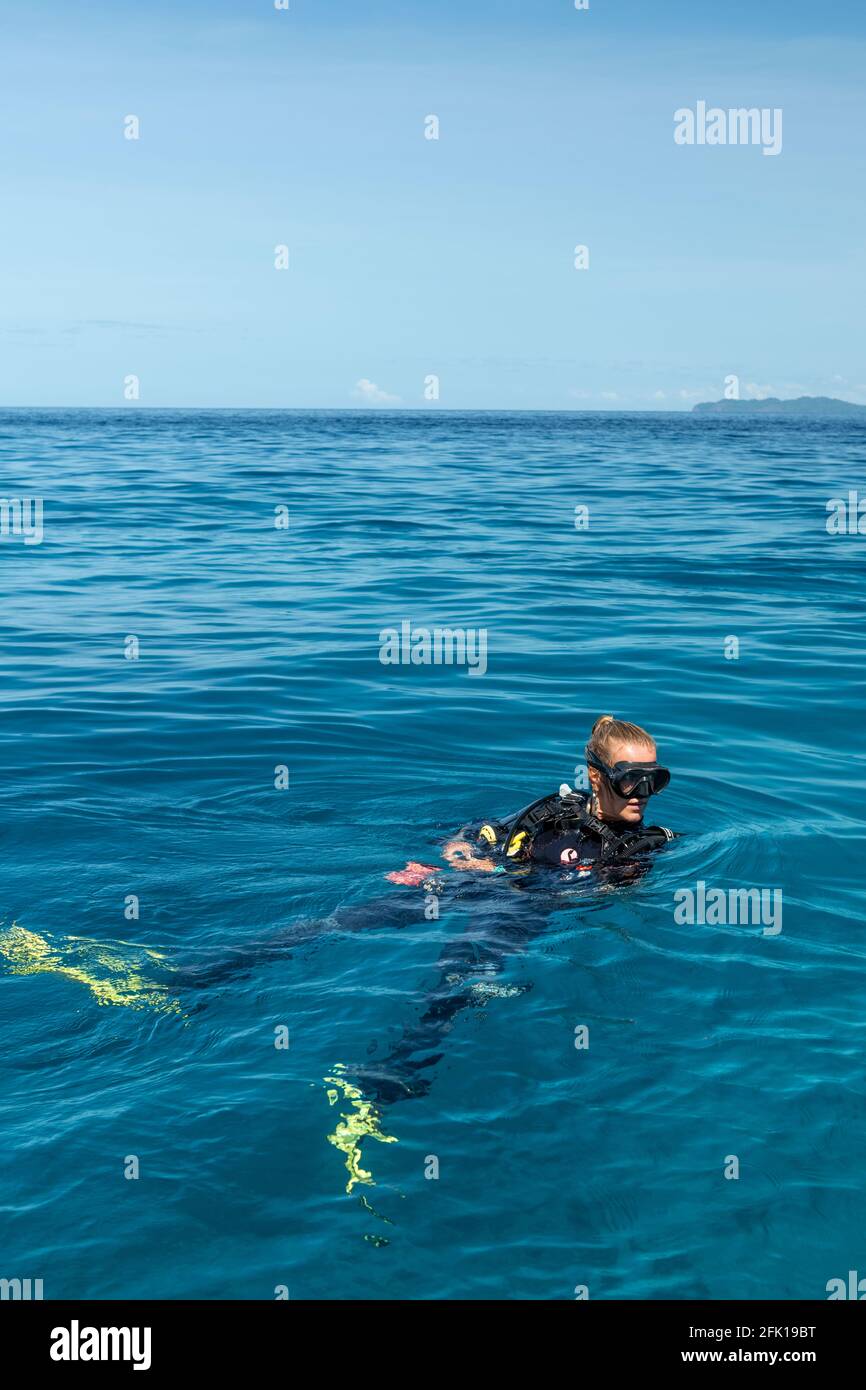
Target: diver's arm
(460, 855)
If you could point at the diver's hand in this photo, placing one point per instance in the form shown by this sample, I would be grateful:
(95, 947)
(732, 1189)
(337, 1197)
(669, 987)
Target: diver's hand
(461, 855)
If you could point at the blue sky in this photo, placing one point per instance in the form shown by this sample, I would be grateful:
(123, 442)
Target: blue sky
(411, 257)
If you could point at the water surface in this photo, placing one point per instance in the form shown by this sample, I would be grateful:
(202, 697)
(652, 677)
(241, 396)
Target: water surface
(258, 648)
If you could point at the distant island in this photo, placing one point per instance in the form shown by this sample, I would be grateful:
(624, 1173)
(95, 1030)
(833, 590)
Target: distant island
(801, 405)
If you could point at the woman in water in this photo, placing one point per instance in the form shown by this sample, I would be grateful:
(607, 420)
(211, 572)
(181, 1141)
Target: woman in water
(575, 832)
(601, 834)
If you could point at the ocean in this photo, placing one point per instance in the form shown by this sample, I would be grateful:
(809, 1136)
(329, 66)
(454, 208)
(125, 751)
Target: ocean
(210, 763)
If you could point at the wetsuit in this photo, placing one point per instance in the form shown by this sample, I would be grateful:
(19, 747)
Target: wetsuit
(506, 912)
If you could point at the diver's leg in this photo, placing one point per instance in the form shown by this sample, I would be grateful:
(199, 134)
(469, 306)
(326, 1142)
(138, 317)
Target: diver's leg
(467, 967)
(398, 909)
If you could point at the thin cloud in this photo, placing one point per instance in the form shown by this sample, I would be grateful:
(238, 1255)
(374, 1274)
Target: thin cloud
(372, 394)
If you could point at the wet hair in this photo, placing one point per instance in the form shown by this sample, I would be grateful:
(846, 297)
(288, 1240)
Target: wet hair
(607, 732)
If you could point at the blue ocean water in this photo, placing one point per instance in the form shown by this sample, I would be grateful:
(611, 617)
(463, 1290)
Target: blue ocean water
(140, 815)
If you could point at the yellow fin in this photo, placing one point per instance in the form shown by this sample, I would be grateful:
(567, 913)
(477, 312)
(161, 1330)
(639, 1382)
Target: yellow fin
(85, 961)
(363, 1121)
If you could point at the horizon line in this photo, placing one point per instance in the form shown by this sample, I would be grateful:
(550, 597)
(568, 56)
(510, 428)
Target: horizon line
(136, 408)
(381, 410)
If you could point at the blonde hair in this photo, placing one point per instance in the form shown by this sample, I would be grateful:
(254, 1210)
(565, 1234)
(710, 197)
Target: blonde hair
(607, 731)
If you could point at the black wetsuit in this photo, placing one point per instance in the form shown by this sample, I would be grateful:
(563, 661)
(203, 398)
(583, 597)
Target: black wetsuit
(509, 910)
(506, 912)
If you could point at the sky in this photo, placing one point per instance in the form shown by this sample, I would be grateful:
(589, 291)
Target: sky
(149, 265)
